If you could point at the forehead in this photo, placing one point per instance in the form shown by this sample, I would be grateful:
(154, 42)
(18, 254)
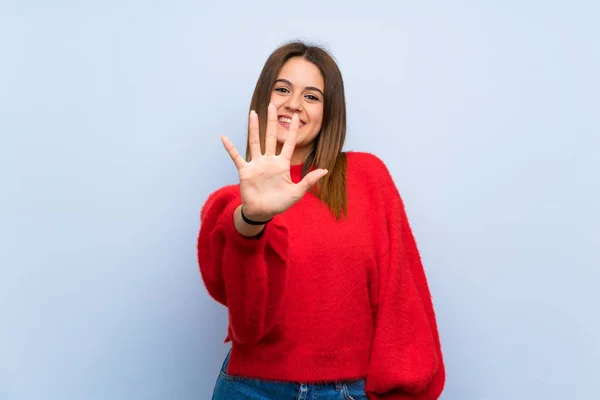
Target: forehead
(301, 73)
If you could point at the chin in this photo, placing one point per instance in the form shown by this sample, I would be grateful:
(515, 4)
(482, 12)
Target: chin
(282, 135)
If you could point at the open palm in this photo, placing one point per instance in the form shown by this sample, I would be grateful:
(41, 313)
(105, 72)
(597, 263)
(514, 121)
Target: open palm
(266, 186)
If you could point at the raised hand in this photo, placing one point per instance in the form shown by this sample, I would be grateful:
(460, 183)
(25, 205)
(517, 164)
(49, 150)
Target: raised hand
(266, 186)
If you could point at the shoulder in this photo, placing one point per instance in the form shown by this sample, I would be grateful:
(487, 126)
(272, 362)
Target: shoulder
(360, 162)
(371, 173)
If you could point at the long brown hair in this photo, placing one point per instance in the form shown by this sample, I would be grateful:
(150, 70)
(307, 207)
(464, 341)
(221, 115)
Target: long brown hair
(327, 152)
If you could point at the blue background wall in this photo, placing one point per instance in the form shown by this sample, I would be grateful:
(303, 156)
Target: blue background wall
(110, 116)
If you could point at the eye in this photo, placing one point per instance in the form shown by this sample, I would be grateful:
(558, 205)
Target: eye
(282, 90)
(312, 97)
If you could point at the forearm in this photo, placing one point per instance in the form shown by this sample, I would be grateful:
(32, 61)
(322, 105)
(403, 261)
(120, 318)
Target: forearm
(254, 272)
(246, 275)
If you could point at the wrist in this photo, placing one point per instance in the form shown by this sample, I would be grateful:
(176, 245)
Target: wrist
(243, 228)
(252, 219)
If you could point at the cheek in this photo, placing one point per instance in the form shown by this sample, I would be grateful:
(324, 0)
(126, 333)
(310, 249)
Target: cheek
(316, 117)
(317, 121)
(276, 99)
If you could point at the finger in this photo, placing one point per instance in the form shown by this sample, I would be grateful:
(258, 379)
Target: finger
(290, 141)
(310, 180)
(254, 136)
(271, 135)
(238, 160)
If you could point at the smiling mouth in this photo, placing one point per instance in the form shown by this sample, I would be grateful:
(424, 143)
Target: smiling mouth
(286, 122)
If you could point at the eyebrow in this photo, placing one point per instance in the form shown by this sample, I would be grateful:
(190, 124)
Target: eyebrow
(306, 88)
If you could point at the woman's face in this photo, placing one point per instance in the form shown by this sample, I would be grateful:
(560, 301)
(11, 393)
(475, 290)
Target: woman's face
(299, 89)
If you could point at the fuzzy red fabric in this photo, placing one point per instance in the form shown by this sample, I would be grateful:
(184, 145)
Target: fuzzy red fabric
(315, 300)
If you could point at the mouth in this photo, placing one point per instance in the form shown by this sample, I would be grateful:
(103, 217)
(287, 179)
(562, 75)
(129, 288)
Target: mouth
(286, 120)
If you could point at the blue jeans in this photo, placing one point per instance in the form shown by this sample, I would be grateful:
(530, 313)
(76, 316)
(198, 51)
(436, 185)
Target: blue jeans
(239, 388)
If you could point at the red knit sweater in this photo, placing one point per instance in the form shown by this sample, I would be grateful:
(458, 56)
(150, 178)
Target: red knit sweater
(314, 299)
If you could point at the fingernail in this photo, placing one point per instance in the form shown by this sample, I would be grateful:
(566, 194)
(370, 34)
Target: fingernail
(295, 115)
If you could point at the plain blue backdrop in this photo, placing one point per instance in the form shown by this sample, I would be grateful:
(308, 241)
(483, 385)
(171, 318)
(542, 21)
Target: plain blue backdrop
(487, 114)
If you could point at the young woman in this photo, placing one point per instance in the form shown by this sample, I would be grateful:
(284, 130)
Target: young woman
(313, 255)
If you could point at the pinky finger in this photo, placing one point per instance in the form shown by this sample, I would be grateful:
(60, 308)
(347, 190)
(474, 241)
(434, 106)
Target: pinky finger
(238, 160)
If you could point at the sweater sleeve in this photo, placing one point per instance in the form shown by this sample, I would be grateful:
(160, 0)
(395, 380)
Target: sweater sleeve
(406, 358)
(247, 275)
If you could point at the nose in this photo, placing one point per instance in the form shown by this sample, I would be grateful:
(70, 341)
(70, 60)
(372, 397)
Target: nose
(294, 104)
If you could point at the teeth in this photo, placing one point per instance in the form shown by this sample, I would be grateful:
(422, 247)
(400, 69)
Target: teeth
(286, 120)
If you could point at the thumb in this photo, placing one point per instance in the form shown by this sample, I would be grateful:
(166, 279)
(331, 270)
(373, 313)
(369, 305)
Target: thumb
(310, 179)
